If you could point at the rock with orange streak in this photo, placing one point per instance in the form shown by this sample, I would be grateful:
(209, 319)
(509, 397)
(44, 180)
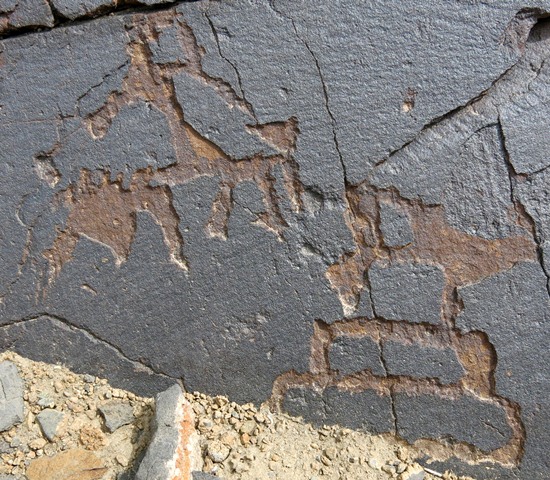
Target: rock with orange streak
(174, 450)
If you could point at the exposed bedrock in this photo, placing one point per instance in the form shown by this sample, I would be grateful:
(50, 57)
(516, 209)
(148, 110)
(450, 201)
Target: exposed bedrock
(338, 208)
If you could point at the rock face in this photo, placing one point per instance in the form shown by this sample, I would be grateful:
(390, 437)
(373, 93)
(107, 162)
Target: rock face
(339, 207)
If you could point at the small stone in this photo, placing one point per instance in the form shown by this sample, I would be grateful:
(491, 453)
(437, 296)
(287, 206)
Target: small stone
(373, 463)
(414, 472)
(217, 451)
(48, 420)
(15, 442)
(173, 428)
(11, 396)
(205, 424)
(37, 443)
(116, 415)
(117, 394)
(75, 407)
(5, 447)
(50, 449)
(330, 453)
(90, 414)
(45, 402)
(88, 378)
(248, 427)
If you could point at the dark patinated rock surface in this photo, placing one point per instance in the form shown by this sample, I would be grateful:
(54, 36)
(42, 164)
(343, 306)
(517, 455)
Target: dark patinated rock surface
(338, 207)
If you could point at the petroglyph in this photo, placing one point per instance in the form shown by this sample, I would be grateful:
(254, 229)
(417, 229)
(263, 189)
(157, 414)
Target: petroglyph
(448, 204)
(465, 258)
(103, 208)
(379, 191)
(105, 212)
(475, 353)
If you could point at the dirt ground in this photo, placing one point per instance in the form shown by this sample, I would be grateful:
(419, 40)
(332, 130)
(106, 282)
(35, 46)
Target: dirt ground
(237, 441)
(240, 442)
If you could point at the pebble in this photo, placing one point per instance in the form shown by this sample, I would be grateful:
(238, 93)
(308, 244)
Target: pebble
(15, 442)
(413, 473)
(259, 418)
(330, 453)
(373, 463)
(248, 427)
(217, 451)
(49, 420)
(5, 447)
(45, 402)
(116, 415)
(37, 444)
